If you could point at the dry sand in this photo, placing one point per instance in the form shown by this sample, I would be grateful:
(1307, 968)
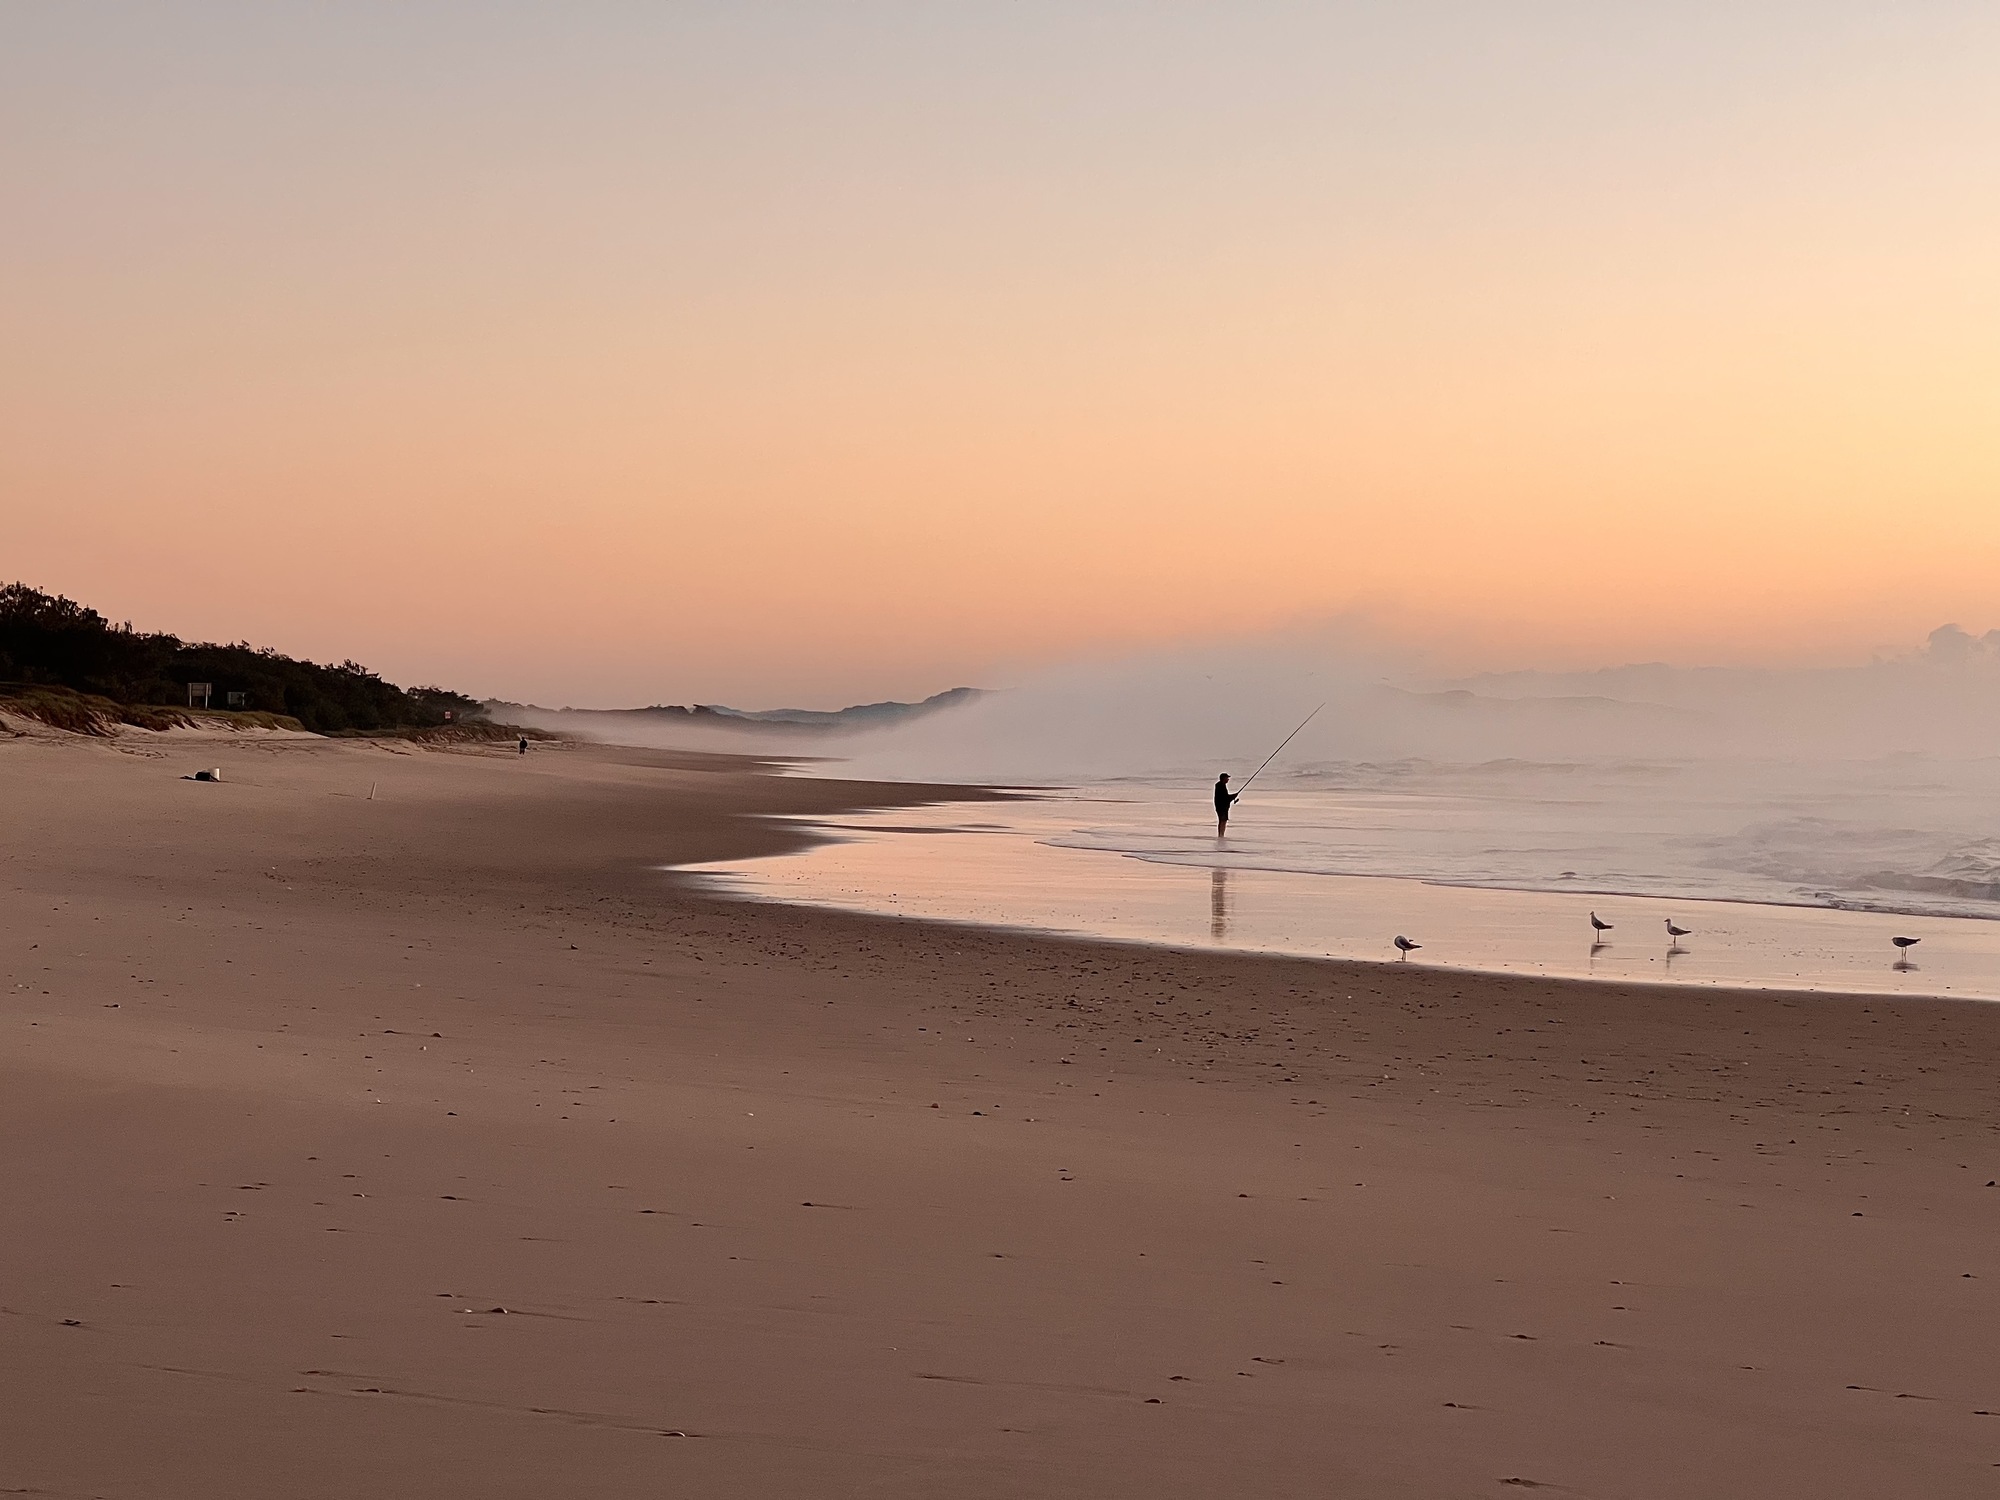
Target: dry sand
(300, 1090)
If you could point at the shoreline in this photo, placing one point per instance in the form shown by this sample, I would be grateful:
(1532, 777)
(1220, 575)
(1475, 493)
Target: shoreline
(940, 861)
(300, 1089)
(1339, 965)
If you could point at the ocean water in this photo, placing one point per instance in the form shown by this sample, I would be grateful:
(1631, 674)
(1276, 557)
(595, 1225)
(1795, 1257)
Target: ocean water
(1901, 834)
(1790, 873)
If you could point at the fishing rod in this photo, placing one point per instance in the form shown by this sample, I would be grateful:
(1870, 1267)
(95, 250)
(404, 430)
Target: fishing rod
(1274, 754)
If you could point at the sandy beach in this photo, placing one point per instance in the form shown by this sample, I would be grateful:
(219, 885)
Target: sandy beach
(436, 1142)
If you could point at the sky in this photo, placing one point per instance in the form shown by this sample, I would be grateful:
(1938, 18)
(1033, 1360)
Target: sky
(606, 354)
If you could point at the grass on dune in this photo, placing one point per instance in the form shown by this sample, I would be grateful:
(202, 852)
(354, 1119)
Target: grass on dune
(87, 713)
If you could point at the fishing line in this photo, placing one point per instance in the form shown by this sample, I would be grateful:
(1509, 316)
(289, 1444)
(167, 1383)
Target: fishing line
(1274, 754)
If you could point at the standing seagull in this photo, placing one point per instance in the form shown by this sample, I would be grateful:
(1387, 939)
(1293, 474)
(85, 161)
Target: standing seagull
(1674, 932)
(1598, 924)
(1406, 945)
(1906, 944)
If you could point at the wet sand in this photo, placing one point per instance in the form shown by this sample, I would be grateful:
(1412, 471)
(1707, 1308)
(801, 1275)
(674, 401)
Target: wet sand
(1004, 865)
(299, 1089)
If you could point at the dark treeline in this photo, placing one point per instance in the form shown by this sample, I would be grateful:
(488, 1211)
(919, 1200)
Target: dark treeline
(49, 641)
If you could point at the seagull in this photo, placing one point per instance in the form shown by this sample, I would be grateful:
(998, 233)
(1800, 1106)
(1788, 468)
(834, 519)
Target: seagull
(1677, 932)
(1406, 945)
(1906, 944)
(1599, 924)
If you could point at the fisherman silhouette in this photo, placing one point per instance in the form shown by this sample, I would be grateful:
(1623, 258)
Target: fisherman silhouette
(1224, 799)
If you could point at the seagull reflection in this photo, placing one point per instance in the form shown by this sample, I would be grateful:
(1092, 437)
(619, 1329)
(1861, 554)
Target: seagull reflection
(1218, 904)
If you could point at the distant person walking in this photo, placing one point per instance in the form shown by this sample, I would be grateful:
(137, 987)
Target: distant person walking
(523, 745)
(1224, 800)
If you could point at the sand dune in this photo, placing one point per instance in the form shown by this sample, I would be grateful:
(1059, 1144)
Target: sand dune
(438, 1144)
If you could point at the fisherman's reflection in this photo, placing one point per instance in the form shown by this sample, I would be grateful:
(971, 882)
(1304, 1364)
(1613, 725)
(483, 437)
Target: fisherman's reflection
(1218, 904)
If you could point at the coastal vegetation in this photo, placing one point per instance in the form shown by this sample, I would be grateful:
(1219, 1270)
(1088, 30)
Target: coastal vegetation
(65, 664)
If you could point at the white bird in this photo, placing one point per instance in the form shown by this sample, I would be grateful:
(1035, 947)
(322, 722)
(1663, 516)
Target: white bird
(1906, 944)
(1677, 932)
(1406, 945)
(1599, 923)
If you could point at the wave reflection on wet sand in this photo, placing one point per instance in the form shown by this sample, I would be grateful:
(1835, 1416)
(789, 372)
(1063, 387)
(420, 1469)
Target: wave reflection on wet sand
(999, 866)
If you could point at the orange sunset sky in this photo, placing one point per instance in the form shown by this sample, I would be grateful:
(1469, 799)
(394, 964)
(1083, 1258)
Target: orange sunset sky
(753, 353)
